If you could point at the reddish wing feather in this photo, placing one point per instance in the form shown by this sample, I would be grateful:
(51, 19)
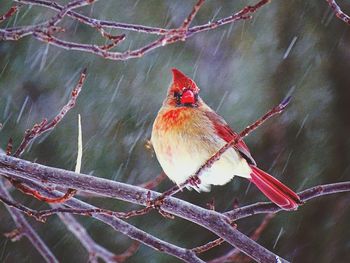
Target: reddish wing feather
(227, 134)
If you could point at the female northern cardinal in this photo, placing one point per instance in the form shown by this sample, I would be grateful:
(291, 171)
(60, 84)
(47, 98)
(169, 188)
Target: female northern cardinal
(187, 132)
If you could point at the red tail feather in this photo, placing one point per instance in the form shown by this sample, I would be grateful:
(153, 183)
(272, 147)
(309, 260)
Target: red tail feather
(277, 192)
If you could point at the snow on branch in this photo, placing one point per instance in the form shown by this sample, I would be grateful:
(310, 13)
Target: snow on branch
(213, 221)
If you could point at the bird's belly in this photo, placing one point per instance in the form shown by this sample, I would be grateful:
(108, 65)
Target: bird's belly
(181, 157)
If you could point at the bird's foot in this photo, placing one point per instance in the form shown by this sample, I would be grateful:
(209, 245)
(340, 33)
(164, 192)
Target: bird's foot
(194, 181)
(156, 204)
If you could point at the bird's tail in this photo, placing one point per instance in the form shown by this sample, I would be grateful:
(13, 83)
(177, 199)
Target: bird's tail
(277, 192)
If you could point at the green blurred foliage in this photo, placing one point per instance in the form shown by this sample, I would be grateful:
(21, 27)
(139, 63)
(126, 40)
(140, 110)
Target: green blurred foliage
(242, 69)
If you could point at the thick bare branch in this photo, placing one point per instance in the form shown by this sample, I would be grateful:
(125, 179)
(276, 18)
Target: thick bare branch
(185, 254)
(213, 221)
(232, 255)
(186, 24)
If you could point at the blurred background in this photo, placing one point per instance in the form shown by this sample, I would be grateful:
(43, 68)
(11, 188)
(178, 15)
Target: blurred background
(243, 69)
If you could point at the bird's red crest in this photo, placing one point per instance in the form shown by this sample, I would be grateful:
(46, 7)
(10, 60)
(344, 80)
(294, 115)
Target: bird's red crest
(181, 82)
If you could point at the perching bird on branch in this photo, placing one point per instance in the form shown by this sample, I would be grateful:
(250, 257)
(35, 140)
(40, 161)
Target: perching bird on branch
(187, 132)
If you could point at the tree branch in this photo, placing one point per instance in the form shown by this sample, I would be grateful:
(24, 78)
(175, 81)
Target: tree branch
(268, 207)
(39, 129)
(232, 255)
(45, 126)
(25, 229)
(121, 226)
(43, 31)
(92, 22)
(213, 221)
(338, 12)
(9, 13)
(94, 250)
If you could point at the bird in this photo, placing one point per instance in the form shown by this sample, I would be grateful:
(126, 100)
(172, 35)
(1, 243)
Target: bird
(187, 132)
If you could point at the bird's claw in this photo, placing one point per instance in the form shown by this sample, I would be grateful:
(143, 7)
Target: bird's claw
(194, 181)
(156, 204)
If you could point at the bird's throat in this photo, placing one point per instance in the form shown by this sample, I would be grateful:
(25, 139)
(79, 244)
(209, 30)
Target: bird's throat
(174, 119)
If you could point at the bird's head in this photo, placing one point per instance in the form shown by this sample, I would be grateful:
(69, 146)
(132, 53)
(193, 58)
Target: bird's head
(183, 91)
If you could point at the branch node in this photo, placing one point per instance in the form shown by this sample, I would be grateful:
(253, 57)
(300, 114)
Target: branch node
(15, 235)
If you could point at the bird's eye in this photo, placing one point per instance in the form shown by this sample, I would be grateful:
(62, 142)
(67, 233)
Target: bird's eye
(177, 96)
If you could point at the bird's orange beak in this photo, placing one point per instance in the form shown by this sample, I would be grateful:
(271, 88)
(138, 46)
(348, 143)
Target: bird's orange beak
(188, 97)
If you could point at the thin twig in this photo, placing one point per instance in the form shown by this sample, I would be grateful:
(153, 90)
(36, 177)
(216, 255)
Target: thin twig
(92, 22)
(39, 129)
(243, 14)
(28, 191)
(208, 246)
(306, 195)
(168, 36)
(70, 6)
(94, 250)
(151, 184)
(44, 126)
(130, 251)
(42, 215)
(25, 229)
(249, 129)
(338, 12)
(9, 13)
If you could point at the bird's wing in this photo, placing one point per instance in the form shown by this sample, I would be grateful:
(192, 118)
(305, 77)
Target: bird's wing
(227, 134)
